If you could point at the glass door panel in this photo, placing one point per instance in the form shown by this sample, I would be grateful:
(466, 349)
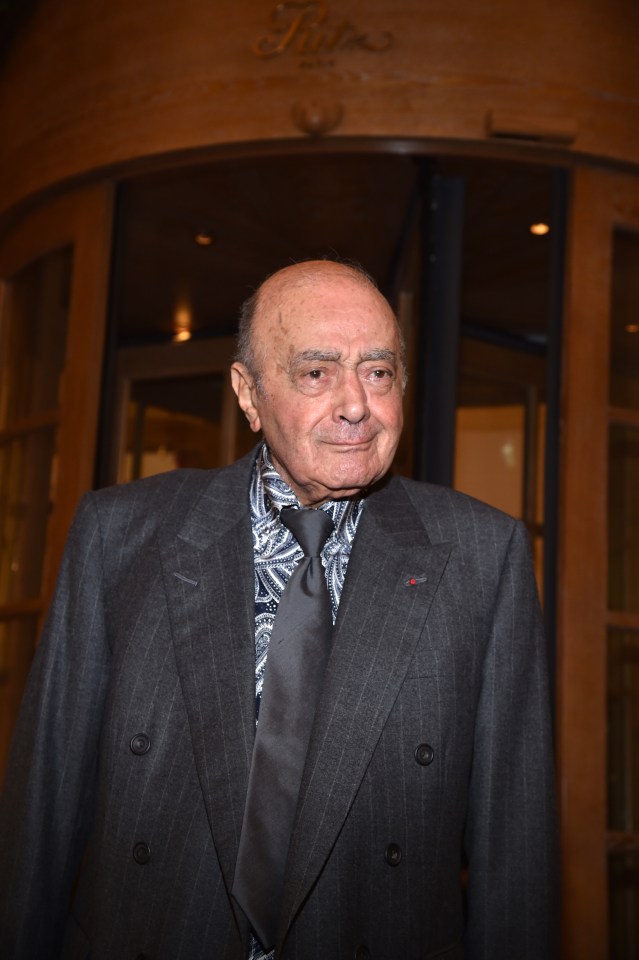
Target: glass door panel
(623, 600)
(623, 888)
(489, 368)
(624, 338)
(623, 730)
(500, 438)
(598, 622)
(489, 454)
(26, 495)
(623, 518)
(34, 335)
(173, 423)
(35, 329)
(174, 407)
(53, 270)
(17, 643)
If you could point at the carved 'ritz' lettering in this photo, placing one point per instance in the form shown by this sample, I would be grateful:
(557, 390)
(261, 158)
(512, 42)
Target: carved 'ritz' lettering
(301, 27)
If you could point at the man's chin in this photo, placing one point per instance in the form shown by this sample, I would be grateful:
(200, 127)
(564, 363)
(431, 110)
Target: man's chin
(343, 486)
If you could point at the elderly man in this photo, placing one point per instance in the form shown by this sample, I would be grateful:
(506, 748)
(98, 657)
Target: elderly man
(396, 662)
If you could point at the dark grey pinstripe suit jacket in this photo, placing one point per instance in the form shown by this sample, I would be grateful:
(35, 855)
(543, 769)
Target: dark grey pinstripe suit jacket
(151, 632)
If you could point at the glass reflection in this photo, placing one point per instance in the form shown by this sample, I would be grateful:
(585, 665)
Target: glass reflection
(34, 344)
(623, 883)
(623, 519)
(177, 422)
(624, 339)
(27, 469)
(623, 730)
(172, 422)
(500, 433)
(17, 643)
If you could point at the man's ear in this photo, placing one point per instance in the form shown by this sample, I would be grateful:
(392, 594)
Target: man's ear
(246, 393)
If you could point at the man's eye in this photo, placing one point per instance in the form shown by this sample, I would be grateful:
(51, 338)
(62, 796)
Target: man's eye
(380, 373)
(315, 374)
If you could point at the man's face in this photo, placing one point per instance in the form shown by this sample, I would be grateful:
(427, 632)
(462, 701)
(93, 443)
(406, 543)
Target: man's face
(329, 398)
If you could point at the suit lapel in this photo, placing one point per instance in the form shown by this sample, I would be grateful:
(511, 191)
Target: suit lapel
(381, 616)
(208, 576)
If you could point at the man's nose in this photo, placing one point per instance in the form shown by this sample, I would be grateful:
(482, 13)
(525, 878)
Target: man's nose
(351, 400)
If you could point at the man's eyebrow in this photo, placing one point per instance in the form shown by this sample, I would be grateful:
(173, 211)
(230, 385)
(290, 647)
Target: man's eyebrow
(387, 355)
(318, 356)
(314, 356)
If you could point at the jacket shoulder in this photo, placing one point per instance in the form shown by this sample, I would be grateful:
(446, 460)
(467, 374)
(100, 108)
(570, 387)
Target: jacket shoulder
(165, 499)
(454, 516)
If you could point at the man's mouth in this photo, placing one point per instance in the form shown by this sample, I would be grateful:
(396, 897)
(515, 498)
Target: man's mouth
(350, 443)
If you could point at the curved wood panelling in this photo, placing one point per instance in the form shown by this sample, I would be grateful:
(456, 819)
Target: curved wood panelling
(89, 84)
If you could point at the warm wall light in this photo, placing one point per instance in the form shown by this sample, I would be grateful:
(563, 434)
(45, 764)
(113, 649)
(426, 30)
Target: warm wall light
(182, 322)
(204, 238)
(539, 229)
(182, 318)
(632, 328)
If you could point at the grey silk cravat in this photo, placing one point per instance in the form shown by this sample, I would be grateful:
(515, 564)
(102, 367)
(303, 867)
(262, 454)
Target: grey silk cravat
(297, 655)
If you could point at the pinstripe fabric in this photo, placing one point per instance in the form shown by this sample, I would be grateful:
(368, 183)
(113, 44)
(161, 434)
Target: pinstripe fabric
(151, 632)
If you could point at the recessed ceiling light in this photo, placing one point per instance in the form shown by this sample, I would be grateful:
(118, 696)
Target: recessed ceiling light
(539, 229)
(632, 328)
(204, 238)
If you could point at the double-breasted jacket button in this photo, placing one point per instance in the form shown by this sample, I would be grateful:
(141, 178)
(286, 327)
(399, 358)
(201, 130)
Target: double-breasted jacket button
(140, 744)
(362, 952)
(393, 854)
(141, 853)
(424, 754)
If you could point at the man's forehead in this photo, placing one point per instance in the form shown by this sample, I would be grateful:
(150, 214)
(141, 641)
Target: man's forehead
(338, 338)
(313, 304)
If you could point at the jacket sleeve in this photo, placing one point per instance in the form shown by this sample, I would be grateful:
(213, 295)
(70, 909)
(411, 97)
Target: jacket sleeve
(48, 801)
(511, 840)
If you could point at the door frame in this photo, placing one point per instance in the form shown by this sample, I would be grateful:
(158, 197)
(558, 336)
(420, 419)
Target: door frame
(601, 202)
